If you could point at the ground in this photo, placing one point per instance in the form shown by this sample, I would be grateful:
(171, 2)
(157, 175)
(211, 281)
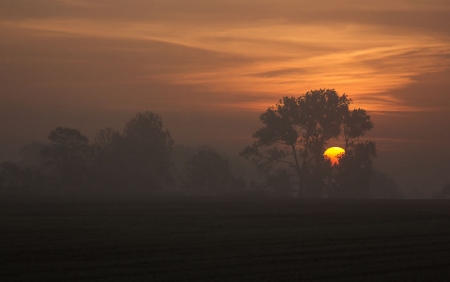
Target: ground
(210, 239)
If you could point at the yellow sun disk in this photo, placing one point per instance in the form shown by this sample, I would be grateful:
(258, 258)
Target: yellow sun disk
(333, 154)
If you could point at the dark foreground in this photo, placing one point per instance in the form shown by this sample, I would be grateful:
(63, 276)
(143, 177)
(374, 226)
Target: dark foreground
(76, 239)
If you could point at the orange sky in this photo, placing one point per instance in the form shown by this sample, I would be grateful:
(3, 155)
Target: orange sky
(210, 67)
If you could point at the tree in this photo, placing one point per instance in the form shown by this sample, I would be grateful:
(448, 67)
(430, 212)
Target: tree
(296, 131)
(107, 168)
(106, 139)
(67, 156)
(383, 186)
(31, 155)
(355, 170)
(279, 183)
(443, 192)
(14, 176)
(207, 172)
(145, 151)
(355, 124)
(11, 175)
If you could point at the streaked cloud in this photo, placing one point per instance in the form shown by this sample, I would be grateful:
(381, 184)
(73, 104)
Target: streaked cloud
(208, 58)
(264, 48)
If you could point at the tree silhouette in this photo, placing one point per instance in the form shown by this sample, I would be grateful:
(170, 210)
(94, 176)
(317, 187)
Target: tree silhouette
(383, 186)
(443, 192)
(10, 175)
(107, 169)
(279, 183)
(207, 173)
(354, 170)
(67, 156)
(296, 131)
(145, 150)
(355, 124)
(31, 155)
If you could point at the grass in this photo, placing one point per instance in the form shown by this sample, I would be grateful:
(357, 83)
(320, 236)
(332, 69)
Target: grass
(209, 239)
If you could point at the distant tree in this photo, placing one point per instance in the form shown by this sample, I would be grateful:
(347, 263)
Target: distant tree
(10, 175)
(279, 183)
(296, 131)
(106, 140)
(443, 193)
(107, 166)
(31, 155)
(181, 154)
(383, 186)
(355, 170)
(145, 150)
(355, 124)
(446, 190)
(14, 176)
(67, 156)
(207, 172)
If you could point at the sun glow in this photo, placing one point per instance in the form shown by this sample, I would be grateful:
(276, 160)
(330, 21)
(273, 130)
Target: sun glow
(333, 154)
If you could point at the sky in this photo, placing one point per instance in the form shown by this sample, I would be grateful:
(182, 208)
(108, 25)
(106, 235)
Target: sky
(210, 68)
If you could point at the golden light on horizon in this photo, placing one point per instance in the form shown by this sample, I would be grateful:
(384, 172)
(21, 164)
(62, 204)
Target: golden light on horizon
(333, 154)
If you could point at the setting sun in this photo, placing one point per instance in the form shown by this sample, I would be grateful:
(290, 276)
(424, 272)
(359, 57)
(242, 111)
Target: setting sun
(333, 154)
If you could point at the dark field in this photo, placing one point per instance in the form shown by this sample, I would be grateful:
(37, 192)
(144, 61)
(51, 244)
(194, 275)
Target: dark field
(76, 239)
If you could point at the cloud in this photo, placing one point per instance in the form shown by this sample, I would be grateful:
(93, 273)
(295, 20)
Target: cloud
(226, 55)
(265, 52)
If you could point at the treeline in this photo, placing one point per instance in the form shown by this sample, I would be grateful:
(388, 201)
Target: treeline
(138, 158)
(287, 157)
(288, 150)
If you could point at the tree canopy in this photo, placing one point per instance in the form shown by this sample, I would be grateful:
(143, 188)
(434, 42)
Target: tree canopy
(208, 172)
(295, 132)
(139, 158)
(67, 156)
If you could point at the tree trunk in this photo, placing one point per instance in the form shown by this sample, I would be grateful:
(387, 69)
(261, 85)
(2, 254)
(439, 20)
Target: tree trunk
(299, 173)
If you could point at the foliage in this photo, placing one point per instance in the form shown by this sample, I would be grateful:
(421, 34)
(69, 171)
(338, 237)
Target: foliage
(107, 167)
(295, 132)
(383, 186)
(355, 124)
(31, 155)
(443, 192)
(140, 158)
(10, 175)
(146, 150)
(279, 183)
(14, 176)
(446, 190)
(355, 170)
(67, 156)
(207, 172)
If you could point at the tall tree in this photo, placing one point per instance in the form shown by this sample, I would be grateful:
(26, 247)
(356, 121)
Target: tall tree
(67, 156)
(107, 168)
(355, 124)
(355, 170)
(207, 172)
(146, 150)
(296, 131)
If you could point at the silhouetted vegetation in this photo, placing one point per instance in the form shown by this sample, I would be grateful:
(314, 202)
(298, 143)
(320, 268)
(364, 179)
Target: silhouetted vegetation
(208, 173)
(443, 192)
(288, 154)
(382, 186)
(67, 157)
(294, 136)
(139, 158)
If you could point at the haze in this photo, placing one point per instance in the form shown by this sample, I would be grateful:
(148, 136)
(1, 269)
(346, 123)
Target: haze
(209, 68)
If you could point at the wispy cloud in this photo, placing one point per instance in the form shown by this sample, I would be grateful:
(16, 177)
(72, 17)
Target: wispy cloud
(228, 47)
